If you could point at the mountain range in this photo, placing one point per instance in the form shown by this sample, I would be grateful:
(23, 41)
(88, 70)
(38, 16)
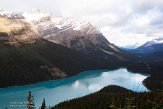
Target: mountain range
(152, 49)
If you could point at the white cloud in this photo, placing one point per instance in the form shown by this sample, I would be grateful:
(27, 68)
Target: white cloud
(123, 22)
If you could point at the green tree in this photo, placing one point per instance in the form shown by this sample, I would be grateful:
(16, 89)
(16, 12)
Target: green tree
(112, 106)
(157, 102)
(30, 101)
(161, 101)
(43, 106)
(129, 104)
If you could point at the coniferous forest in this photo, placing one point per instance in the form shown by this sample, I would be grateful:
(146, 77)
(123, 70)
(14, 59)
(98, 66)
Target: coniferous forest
(115, 97)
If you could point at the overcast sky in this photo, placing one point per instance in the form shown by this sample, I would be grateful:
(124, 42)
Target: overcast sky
(123, 22)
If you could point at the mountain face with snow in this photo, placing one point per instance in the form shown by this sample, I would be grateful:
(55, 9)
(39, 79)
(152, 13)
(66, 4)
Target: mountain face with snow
(153, 42)
(66, 31)
(155, 45)
(151, 50)
(78, 35)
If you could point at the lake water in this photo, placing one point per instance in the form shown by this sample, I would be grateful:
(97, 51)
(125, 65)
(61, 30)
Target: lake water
(57, 91)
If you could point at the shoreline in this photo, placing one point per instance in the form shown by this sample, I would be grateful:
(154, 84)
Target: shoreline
(30, 84)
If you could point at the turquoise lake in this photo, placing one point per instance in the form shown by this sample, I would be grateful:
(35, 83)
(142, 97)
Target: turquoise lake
(57, 91)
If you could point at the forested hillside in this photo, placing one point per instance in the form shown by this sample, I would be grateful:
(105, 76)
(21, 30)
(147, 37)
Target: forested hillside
(115, 97)
(43, 60)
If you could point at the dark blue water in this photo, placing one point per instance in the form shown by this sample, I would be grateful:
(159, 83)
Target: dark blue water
(57, 91)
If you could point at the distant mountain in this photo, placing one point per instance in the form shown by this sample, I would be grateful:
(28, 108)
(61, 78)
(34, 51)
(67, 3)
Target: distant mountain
(153, 42)
(148, 49)
(154, 47)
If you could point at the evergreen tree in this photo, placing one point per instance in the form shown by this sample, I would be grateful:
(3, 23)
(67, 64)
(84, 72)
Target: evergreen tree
(43, 106)
(161, 101)
(129, 104)
(30, 101)
(112, 106)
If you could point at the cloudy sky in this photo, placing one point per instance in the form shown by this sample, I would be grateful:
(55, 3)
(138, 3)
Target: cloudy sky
(123, 22)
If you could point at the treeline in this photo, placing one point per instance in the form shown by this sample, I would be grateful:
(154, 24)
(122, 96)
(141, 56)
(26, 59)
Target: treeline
(31, 103)
(115, 97)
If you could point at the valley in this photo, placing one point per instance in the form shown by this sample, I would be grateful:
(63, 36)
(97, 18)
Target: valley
(58, 47)
(42, 52)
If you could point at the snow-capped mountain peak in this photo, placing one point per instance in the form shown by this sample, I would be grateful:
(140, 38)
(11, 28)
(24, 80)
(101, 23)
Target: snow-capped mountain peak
(46, 19)
(158, 40)
(2, 13)
(11, 15)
